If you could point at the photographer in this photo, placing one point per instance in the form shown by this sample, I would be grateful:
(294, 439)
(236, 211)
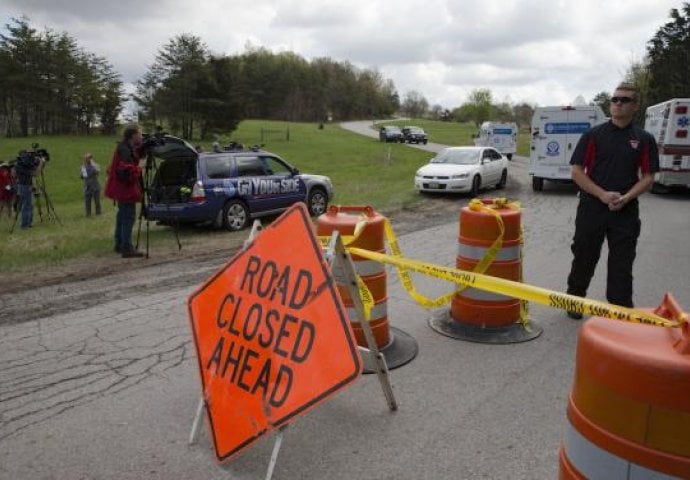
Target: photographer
(27, 166)
(124, 186)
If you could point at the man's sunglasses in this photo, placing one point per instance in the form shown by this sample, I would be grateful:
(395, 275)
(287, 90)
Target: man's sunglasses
(621, 99)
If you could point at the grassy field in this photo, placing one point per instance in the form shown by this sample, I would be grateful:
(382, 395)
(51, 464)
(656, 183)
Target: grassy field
(363, 170)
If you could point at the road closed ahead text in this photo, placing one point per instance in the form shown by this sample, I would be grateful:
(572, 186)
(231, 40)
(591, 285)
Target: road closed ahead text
(261, 332)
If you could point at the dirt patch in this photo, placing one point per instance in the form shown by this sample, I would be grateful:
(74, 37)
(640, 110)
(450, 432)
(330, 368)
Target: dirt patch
(85, 282)
(425, 214)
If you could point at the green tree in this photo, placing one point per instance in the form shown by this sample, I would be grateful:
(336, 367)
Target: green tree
(51, 85)
(502, 112)
(178, 72)
(638, 74)
(603, 99)
(479, 105)
(414, 104)
(669, 57)
(523, 113)
(22, 48)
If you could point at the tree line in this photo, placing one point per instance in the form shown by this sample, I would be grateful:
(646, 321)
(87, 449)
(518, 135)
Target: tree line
(49, 85)
(196, 93)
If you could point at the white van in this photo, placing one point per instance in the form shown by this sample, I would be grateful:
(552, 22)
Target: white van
(555, 133)
(669, 123)
(501, 136)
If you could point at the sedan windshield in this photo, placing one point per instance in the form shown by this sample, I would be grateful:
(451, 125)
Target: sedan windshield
(457, 157)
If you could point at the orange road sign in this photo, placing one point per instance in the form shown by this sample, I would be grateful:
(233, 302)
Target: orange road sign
(272, 336)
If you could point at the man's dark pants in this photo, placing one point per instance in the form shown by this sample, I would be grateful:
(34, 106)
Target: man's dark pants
(594, 223)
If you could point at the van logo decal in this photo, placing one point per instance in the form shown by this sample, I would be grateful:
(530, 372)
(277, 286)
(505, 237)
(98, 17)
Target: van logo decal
(260, 186)
(567, 127)
(683, 122)
(553, 149)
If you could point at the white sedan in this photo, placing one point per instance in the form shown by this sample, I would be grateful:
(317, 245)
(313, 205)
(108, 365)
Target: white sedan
(463, 169)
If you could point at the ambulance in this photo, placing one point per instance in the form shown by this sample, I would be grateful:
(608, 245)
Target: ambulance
(669, 123)
(555, 133)
(501, 136)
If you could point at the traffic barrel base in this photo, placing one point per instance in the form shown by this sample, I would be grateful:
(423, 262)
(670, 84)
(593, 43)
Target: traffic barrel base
(400, 350)
(442, 322)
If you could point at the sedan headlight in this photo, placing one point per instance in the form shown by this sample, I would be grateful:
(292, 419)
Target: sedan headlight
(460, 175)
(417, 174)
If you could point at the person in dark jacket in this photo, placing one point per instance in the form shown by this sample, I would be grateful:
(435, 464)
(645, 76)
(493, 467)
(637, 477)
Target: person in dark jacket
(124, 186)
(613, 164)
(26, 168)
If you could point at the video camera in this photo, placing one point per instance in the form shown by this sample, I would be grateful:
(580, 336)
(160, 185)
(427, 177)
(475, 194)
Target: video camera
(154, 139)
(30, 159)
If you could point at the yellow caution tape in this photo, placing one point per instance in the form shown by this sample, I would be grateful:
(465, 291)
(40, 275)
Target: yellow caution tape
(405, 278)
(524, 304)
(477, 279)
(366, 297)
(520, 290)
(364, 293)
(348, 239)
(481, 267)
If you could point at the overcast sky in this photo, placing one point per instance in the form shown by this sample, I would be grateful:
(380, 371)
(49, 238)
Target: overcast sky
(540, 51)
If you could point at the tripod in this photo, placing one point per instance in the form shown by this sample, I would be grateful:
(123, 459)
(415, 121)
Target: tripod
(146, 182)
(42, 201)
(41, 192)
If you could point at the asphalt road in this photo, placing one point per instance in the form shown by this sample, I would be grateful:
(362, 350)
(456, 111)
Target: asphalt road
(109, 391)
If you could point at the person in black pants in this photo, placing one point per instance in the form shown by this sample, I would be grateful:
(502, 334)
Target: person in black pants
(613, 164)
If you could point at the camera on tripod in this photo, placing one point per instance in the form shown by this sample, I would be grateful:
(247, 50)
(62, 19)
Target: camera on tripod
(152, 140)
(29, 168)
(28, 160)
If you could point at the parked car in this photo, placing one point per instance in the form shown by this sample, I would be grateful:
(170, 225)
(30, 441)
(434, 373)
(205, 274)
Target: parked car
(463, 169)
(414, 135)
(228, 187)
(391, 133)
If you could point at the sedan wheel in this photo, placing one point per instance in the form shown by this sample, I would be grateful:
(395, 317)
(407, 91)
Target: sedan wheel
(235, 215)
(504, 180)
(476, 184)
(317, 202)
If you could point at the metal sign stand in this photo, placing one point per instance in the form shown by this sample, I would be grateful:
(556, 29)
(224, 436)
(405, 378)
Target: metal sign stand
(341, 262)
(344, 270)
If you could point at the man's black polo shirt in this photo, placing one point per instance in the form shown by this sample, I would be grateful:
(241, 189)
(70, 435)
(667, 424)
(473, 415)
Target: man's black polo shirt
(613, 156)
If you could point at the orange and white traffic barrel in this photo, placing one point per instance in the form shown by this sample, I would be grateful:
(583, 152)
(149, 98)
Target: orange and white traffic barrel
(397, 346)
(629, 409)
(489, 242)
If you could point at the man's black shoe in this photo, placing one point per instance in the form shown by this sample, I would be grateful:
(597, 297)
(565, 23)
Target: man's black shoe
(574, 315)
(132, 254)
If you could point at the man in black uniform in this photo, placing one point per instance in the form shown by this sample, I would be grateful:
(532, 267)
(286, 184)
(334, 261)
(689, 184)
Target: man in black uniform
(612, 164)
